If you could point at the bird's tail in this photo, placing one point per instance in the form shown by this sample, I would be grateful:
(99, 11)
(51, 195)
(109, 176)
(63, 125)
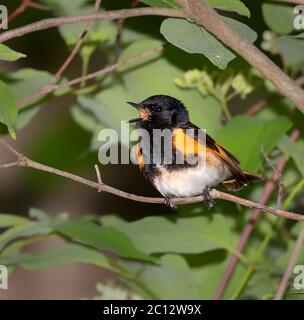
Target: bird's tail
(237, 183)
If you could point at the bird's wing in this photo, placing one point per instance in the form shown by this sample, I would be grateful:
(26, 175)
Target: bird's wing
(212, 146)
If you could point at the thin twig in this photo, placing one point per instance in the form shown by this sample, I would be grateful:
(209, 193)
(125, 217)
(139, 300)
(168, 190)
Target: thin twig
(9, 165)
(98, 177)
(279, 177)
(207, 17)
(119, 29)
(76, 48)
(293, 260)
(23, 161)
(265, 195)
(25, 4)
(52, 87)
(107, 15)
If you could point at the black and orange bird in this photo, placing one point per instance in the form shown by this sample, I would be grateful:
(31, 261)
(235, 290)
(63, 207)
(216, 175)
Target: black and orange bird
(214, 165)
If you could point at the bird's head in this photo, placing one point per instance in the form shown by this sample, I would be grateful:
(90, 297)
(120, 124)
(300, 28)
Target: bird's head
(160, 111)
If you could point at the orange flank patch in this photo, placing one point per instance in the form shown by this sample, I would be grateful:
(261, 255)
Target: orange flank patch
(139, 156)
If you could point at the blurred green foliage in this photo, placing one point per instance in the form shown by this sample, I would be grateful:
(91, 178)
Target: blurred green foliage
(182, 255)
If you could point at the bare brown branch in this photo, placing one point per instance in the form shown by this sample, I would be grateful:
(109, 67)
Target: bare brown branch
(25, 4)
(98, 177)
(23, 161)
(278, 174)
(107, 15)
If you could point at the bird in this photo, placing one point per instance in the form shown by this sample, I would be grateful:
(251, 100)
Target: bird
(205, 163)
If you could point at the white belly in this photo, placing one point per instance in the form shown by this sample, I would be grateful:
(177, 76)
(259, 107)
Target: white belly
(190, 181)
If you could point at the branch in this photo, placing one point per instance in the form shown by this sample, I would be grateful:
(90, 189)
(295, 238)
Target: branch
(107, 15)
(265, 195)
(205, 16)
(23, 161)
(25, 4)
(278, 173)
(52, 87)
(291, 264)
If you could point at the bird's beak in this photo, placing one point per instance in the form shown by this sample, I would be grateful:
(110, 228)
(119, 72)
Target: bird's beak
(144, 112)
(133, 104)
(133, 120)
(136, 106)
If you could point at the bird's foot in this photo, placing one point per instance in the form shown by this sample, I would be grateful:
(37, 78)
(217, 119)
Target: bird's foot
(207, 197)
(170, 204)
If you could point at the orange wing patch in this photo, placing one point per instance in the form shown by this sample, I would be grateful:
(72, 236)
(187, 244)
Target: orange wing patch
(139, 156)
(188, 146)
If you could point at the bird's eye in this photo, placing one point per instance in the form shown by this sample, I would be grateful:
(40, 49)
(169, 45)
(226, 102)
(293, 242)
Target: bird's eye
(158, 109)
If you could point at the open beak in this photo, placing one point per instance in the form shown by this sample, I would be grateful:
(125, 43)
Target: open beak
(136, 106)
(144, 112)
(133, 104)
(133, 120)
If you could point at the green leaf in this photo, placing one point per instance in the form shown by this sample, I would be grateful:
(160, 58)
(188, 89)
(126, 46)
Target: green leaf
(295, 151)
(9, 220)
(291, 49)
(195, 39)
(171, 279)
(102, 108)
(137, 48)
(23, 230)
(260, 285)
(84, 119)
(58, 256)
(23, 83)
(185, 235)
(278, 17)
(230, 5)
(101, 31)
(8, 54)
(25, 116)
(28, 81)
(106, 238)
(8, 108)
(244, 136)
